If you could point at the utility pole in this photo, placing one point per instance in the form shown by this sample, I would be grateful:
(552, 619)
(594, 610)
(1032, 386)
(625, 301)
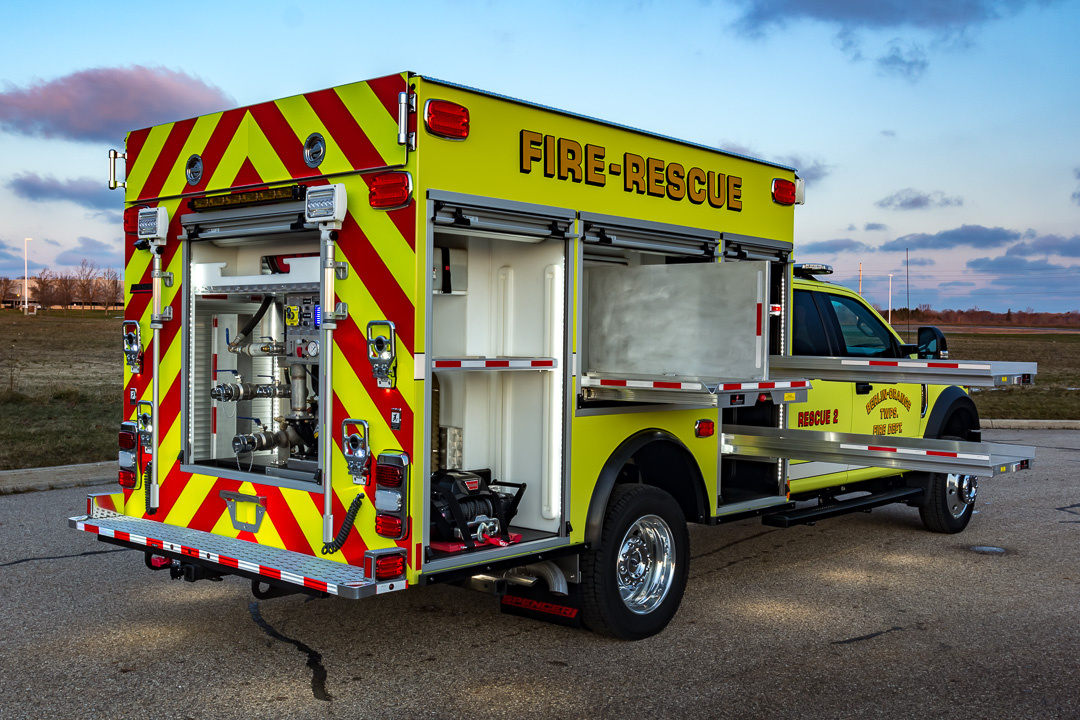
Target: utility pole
(860, 278)
(25, 280)
(890, 298)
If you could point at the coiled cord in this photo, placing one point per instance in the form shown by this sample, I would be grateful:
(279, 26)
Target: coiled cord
(346, 527)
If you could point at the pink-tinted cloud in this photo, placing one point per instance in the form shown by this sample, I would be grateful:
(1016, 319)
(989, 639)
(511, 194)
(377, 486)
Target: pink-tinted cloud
(101, 104)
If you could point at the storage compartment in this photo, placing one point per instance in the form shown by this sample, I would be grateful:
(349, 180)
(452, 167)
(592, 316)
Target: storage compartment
(251, 406)
(498, 340)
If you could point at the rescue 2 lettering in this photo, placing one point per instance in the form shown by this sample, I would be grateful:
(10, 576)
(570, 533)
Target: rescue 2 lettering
(810, 418)
(566, 159)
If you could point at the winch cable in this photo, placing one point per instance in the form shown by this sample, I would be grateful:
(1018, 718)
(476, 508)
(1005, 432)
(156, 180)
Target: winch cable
(346, 527)
(252, 323)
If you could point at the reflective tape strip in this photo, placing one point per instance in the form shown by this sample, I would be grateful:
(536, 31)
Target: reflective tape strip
(497, 364)
(911, 451)
(916, 364)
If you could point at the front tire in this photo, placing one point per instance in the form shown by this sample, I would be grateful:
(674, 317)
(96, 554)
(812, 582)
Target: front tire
(633, 581)
(950, 501)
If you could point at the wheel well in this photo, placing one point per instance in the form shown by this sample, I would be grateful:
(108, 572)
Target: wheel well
(954, 413)
(654, 458)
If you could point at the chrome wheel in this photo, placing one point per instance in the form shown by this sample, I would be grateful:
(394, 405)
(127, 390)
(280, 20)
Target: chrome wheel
(960, 493)
(645, 567)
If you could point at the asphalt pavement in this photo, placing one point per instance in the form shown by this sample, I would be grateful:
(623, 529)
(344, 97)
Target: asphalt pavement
(864, 616)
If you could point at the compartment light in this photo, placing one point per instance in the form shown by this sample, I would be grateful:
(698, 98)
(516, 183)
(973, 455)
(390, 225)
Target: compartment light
(325, 204)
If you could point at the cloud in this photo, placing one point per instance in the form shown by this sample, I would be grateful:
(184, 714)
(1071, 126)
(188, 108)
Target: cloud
(103, 254)
(1076, 195)
(11, 261)
(910, 64)
(976, 236)
(50, 241)
(920, 262)
(956, 283)
(101, 104)
(810, 170)
(107, 216)
(88, 192)
(760, 16)
(870, 227)
(1048, 245)
(1048, 278)
(888, 133)
(912, 199)
(834, 246)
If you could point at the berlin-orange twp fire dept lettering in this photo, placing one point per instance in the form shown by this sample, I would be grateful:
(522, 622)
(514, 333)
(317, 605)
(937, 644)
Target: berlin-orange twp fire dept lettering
(566, 159)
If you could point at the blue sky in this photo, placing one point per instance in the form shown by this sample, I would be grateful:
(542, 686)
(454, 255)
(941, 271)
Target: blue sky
(946, 128)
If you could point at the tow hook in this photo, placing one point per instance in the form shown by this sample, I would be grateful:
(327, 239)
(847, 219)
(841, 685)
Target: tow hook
(192, 573)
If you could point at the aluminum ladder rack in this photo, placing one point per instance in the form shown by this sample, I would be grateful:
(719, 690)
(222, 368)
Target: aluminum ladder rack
(943, 456)
(972, 373)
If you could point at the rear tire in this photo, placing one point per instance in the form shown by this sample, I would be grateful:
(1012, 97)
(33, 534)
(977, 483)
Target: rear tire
(950, 501)
(633, 581)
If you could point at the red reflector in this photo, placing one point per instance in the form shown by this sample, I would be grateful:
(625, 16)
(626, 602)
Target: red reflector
(763, 397)
(389, 566)
(128, 440)
(447, 119)
(389, 190)
(388, 525)
(783, 191)
(131, 220)
(704, 428)
(128, 479)
(389, 475)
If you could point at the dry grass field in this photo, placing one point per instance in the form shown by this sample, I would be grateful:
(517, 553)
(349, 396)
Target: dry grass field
(61, 384)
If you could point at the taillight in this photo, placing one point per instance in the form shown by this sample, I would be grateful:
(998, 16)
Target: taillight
(389, 190)
(128, 440)
(388, 567)
(131, 220)
(388, 525)
(447, 119)
(128, 479)
(389, 475)
(784, 192)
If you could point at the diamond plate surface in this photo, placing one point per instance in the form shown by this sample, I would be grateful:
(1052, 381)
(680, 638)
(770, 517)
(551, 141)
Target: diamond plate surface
(341, 579)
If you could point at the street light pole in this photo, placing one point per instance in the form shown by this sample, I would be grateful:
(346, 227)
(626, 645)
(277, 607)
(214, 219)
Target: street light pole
(890, 298)
(25, 280)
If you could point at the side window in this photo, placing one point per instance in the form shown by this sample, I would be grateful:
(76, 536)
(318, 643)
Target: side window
(807, 331)
(861, 332)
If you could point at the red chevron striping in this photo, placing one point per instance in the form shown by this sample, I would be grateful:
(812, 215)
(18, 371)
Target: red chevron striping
(348, 337)
(279, 512)
(387, 89)
(135, 141)
(405, 221)
(163, 165)
(247, 536)
(345, 130)
(218, 144)
(280, 135)
(212, 506)
(394, 303)
(247, 175)
(168, 493)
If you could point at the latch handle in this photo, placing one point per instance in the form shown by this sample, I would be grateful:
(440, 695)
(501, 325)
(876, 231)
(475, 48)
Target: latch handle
(113, 183)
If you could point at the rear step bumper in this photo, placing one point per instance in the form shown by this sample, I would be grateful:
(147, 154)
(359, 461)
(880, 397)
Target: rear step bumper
(803, 516)
(230, 556)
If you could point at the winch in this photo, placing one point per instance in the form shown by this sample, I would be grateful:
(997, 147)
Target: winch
(466, 509)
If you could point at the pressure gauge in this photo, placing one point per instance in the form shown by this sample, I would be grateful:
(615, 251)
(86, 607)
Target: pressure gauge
(312, 349)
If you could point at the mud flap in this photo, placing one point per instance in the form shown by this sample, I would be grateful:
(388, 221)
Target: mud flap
(538, 603)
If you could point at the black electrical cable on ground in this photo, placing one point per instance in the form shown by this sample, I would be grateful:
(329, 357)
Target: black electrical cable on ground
(346, 527)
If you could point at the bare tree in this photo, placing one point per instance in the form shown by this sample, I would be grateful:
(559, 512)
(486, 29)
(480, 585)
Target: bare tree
(112, 290)
(6, 286)
(83, 280)
(65, 290)
(44, 292)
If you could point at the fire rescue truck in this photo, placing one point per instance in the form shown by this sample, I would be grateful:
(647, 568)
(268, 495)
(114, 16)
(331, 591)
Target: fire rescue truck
(403, 332)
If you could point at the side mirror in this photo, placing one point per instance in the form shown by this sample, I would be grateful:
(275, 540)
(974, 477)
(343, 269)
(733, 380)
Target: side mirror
(932, 343)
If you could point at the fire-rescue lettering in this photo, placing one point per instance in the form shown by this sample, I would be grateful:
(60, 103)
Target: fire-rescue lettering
(566, 159)
(811, 418)
(887, 394)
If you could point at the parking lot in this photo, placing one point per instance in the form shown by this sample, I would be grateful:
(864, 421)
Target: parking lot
(866, 615)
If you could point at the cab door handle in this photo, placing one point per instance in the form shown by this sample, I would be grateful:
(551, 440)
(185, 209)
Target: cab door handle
(863, 388)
